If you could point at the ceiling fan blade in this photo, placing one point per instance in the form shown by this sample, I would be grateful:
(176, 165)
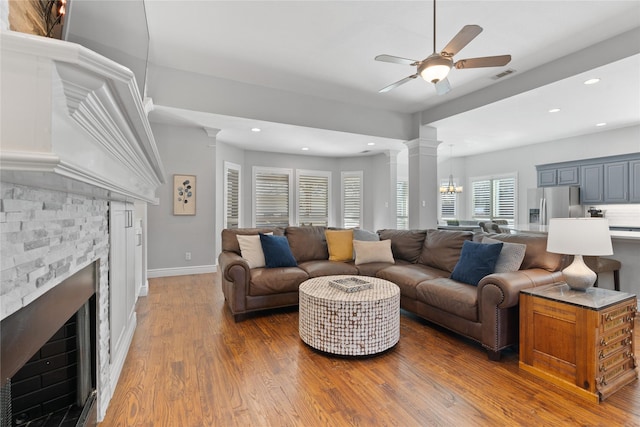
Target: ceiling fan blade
(396, 60)
(398, 83)
(485, 61)
(464, 36)
(443, 86)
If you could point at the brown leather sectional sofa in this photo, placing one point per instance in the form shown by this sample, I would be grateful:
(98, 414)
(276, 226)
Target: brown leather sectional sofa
(424, 260)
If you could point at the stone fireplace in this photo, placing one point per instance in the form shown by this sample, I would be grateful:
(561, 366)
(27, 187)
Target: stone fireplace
(55, 254)
(75, 142)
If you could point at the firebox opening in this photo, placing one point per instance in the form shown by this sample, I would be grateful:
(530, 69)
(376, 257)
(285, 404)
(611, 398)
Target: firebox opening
(49, 357)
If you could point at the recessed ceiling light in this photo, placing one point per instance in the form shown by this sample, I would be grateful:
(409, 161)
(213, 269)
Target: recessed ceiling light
(305, 148)
(554, 110)
(591, 81)
(601, 124)
(371, 143)
(255, 129)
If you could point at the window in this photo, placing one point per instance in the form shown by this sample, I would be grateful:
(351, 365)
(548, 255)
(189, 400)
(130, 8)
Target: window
(314, 195)
(231, 195)
(448, 203)
(352, 199)
(494, 198)
(271, 195)
(402, 205)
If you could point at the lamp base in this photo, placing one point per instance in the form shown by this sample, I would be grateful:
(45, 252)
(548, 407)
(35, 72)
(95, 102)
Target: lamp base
(578, 276)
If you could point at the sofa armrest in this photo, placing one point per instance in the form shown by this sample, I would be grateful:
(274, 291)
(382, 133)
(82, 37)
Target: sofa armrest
(234, 268)
(235, 280)
(510, 284)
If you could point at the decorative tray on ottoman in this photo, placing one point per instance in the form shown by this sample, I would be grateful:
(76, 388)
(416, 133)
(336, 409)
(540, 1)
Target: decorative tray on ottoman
(350, 284)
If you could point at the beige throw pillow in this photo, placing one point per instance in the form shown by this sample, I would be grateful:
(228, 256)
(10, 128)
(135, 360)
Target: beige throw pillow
(367, 252)
(251, 249)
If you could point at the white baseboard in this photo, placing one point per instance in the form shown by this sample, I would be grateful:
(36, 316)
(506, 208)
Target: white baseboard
(181, 271)
(143, 291)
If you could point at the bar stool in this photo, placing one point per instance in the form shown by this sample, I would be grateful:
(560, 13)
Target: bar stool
(604, 265)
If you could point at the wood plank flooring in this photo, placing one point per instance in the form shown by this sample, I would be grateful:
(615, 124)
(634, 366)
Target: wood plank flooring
(191, 365)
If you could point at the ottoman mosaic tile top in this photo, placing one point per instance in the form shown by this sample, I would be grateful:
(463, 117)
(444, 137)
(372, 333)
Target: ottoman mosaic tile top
(349, 323)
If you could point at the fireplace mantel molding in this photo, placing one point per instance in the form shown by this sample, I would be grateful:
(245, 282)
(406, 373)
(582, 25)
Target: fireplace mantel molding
(73, 120)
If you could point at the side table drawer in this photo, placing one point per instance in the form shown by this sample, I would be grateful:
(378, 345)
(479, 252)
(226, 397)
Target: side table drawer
(616, 317)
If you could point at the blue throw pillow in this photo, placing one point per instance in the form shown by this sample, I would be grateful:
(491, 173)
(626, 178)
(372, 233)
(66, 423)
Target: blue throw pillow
(277, 252)
(476, 261)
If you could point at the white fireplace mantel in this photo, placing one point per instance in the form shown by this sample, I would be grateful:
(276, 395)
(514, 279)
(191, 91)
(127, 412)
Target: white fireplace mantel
(73, 120)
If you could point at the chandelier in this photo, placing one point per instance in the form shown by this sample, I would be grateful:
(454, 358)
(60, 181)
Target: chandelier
(450, 188)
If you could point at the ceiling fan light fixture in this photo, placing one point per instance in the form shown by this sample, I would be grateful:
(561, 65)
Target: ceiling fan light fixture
(435, 68)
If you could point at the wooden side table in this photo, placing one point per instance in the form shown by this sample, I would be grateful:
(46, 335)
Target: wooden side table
(580, 341)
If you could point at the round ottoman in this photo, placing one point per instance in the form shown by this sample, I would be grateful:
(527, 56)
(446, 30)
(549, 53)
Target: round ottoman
(349, 323)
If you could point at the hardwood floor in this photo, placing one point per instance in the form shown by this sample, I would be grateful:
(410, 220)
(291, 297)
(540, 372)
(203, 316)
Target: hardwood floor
(191, 365)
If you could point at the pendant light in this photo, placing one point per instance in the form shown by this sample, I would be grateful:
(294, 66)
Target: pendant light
(450, 188)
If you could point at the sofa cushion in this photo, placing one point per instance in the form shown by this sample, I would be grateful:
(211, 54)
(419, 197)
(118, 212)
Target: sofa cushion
(230, 241)
(367, 252)
(276, 251)
(476, 261)
(270, 281)
(405, 244)
(407, 276)
(339, 244)
(307, 243)
(451, 296)
(536, 255)
(442, 248)
(328, 268)
(511, 255)
(251, 249)
(371, 269)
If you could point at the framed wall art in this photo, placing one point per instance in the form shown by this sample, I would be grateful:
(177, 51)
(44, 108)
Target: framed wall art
(184, 194)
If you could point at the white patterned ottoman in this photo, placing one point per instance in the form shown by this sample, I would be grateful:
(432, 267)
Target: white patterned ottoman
(349, 323)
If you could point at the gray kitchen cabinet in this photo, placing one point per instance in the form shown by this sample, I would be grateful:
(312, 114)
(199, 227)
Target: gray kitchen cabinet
(592, 184)
(568, 176)
(634, 181)
(616, 182)
(547, 178)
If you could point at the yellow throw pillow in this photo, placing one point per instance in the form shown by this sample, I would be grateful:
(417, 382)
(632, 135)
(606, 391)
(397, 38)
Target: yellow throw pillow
(340, 244)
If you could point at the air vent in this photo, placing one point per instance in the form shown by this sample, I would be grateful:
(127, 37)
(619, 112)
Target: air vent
(365, 151)
(505, 73)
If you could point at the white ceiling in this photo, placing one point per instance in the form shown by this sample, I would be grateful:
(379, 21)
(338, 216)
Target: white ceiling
(326, 49)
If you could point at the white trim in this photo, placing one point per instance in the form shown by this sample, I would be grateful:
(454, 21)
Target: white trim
(181, 271)
(227, 166)
(118, 358)
(144, 289)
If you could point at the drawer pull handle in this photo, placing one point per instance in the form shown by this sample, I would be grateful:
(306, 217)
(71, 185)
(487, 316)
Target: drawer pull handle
(603, 343)
(601, 354)
(603, 368)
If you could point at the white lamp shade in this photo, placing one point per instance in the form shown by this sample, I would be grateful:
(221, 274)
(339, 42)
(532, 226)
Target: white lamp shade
(579, 236)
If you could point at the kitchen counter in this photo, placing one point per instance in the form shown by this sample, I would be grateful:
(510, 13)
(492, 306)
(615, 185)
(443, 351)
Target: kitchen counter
(615, 234)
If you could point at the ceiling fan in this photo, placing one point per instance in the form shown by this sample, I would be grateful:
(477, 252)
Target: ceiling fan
(436, 66)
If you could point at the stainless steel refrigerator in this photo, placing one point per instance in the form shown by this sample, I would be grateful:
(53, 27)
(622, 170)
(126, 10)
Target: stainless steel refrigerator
(553, 202)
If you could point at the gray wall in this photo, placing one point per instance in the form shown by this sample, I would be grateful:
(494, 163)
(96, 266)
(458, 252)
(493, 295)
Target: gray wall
(183, 151)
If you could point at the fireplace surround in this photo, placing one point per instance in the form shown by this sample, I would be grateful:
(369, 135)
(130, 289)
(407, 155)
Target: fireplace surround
(75, 139)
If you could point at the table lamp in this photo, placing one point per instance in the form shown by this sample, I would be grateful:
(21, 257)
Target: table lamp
(578, 237)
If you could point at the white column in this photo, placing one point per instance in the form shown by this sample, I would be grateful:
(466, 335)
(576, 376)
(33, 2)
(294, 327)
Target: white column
(423, 179)
(392, 167)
